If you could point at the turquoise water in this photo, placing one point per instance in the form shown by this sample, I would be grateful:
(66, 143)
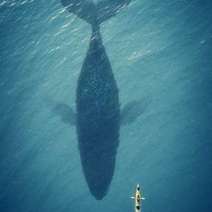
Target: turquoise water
(160, 52)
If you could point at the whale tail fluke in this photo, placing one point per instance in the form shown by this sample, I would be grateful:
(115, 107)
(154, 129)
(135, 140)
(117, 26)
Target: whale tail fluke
(94, 12)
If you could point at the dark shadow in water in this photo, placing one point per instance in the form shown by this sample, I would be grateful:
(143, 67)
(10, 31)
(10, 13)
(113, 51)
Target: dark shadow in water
(97, 100)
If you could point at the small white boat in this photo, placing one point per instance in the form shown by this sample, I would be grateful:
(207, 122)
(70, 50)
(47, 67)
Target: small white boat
(138, 199)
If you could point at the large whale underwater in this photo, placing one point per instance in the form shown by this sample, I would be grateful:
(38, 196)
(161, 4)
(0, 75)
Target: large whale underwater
(98, 115)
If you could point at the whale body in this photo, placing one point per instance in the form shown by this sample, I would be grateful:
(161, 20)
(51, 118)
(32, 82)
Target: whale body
(97, 100)
(98, 117)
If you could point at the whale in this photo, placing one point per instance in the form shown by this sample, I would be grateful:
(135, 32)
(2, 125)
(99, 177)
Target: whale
(98, 117)
(98, 114)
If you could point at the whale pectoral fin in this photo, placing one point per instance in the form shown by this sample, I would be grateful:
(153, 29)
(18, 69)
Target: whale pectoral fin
(63, 111)
(133, 110)
(66, 113)
(109, 8)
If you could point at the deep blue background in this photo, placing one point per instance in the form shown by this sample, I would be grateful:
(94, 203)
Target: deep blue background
(161, 53)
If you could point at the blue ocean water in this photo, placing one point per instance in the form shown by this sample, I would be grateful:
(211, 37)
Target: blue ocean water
(161, 54)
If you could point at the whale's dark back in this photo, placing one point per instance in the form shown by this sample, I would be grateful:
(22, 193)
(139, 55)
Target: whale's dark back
(98, 111)
(98, 118)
